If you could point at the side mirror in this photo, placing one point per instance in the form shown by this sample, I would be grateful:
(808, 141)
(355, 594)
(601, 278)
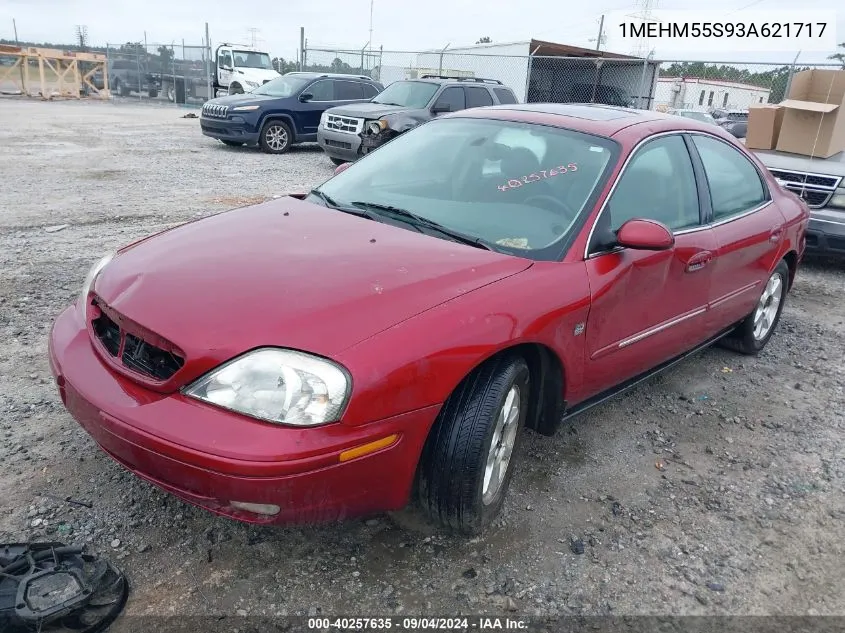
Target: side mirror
(341, 168)
(305, 96)
(442, 107)
(645, 235)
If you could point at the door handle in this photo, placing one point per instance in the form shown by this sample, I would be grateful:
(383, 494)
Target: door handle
(699, 261)
(774, 236)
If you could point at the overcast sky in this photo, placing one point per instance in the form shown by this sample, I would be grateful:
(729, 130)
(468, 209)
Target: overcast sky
(345, 23)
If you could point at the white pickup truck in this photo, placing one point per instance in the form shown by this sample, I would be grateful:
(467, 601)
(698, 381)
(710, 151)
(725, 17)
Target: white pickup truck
(821, 183)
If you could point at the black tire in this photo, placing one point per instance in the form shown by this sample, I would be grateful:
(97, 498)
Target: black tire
(235, 89)
(153, 93)
(450, 484)
(232, 143)
(121, 88)
(275, 137)
(338, 161)
(743, 338)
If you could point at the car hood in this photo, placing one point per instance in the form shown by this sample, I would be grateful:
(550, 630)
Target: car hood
(833, 166)
(240, 99)
(368, 110)
(287, 273)
(258, 75)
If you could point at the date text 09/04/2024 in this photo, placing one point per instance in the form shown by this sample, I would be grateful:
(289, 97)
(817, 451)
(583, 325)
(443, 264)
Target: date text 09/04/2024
(407, 623)
(684, 30)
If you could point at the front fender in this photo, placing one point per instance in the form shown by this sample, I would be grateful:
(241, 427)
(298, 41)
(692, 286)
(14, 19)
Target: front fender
(419, 362)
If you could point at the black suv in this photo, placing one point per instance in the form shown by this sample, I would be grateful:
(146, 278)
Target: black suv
(283, 111)
(348, 132)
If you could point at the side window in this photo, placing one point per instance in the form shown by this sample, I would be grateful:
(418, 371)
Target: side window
(348, 91)
(370, 91)
(322, 90)
(735, 184)
(478, 97)
(453, 97)
(504, 95)
(658, 184)
(225, 59)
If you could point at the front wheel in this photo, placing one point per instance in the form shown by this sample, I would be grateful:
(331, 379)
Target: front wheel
(466, 465)
(236, 89)
(338, 161)
(751, 336)
(275, 137)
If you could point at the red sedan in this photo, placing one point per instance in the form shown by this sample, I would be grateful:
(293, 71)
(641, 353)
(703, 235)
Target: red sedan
(388, 336)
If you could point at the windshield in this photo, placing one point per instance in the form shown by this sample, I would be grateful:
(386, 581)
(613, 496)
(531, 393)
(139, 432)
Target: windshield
(286, 86)
(698, 116)
(409, 94)
(251, 59)
(521, 188)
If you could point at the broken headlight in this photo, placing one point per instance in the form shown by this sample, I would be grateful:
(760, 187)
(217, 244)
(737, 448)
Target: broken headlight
(374, 127)
(277, 385)
(91, 277)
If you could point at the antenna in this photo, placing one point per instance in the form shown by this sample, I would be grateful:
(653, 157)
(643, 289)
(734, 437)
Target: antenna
(645, 7)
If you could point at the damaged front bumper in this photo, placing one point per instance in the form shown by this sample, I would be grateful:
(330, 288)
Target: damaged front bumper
(347, 146)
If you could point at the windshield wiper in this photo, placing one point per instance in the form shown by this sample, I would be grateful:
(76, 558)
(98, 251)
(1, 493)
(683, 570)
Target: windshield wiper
(398, 105)
(332, 204)
(418, 221)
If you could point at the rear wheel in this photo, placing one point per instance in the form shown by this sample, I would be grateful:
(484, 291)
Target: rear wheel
(275, 137)
(751, 336)
(466, 465)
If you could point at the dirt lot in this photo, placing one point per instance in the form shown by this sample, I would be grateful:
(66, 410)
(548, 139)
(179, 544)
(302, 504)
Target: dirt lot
(746, 515)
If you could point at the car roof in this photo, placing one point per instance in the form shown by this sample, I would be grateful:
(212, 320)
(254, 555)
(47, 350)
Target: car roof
(592, 118)
(494, 83)
(315, 75)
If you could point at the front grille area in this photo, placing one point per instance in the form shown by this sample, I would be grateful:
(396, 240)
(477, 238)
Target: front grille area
(215, 110)
(814, 189)
(133, 352)
(340, 123)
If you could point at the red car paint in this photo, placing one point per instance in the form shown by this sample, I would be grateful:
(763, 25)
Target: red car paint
(408, 315)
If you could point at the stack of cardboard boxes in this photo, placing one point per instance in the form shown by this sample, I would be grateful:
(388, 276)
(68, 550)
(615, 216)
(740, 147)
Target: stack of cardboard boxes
(811, 121)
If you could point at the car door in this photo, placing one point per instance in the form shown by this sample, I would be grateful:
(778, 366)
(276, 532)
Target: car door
(322, 98)
(477, 97)
(451, 99)
(747, 225)
(648, 306)
(348, 92)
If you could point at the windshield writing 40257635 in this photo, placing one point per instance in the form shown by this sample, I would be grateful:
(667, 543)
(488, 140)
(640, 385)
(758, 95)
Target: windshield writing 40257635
(515, 183)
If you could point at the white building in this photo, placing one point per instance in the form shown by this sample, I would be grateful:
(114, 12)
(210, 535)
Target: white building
(539, 71)
(703, 94)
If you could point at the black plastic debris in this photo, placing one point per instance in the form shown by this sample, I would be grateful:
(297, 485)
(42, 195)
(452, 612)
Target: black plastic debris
(56, 588)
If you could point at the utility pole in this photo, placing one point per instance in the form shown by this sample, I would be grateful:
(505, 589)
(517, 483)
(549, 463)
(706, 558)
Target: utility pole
(17, 43)
(301, 48)
(371, 25)
(253, 31)
(599, 39)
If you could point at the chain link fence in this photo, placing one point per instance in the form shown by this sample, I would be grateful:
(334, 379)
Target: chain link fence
(646, 84)
(176, 73)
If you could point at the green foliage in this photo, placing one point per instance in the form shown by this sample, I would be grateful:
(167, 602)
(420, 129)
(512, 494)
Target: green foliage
(840, 57)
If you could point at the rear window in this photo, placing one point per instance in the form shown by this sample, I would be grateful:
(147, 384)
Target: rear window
(504, 95)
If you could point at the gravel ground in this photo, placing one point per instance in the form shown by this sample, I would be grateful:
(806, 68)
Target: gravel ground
(717, 488)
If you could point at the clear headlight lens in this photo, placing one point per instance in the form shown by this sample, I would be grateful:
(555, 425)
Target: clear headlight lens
(88, 284)
(838, 199)
(277, 385)
(323, 118)
(251, 84)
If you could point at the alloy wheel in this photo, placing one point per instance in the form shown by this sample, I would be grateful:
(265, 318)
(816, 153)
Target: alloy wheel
(501, 447)
(767, 306)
